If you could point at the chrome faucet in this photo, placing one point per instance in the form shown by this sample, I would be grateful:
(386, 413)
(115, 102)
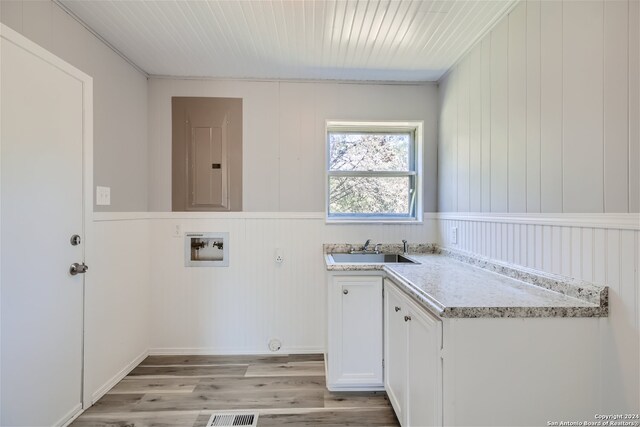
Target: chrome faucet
(405, 247)
(376, 248)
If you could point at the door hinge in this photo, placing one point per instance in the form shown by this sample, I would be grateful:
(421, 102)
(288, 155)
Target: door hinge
(382, 363)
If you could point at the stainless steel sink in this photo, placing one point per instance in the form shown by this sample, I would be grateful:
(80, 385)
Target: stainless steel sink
(371, 258)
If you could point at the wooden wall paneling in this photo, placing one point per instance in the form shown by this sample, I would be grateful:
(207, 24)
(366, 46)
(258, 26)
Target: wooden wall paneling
(547, 246)
(551, 106)
(531, 253)
(599, 255)
(499, 117)
(538, 247)
(504, 241)
(616, 104)
(556, 250)
(613, 259)
(576, 252)
(524, 252)
(533, 105)
(565, 244)
(623, 318)
(485, 74)
(517, 109)
(298, 136)
(447, 151)
(475, 129)
(511, 243)
(463, 164)
(587, 254)
(582, 112)
(634, 105)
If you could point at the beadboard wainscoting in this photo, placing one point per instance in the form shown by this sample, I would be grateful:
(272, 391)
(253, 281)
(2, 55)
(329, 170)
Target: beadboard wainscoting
(600, 248)
(116, 302)
(240, 308)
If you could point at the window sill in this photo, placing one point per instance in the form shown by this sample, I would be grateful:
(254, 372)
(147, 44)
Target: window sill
(410, 221)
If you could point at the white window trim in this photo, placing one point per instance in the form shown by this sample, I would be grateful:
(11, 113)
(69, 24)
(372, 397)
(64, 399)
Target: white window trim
(414, 126)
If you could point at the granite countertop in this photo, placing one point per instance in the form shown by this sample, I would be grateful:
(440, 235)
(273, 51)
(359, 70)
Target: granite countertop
(455, 284)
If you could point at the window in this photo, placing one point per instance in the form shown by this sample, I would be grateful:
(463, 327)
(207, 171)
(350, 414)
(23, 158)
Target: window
(374, 171)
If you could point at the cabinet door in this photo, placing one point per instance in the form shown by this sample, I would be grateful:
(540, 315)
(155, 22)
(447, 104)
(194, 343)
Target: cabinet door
(357, 359)
(395, 355)
(424, 404)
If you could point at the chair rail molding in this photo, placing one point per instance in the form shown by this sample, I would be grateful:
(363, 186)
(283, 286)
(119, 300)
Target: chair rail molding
(619, 221)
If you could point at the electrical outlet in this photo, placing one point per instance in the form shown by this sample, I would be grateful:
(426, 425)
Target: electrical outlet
(177, 231)
(279, 256)
(103, 196)
(454, 235)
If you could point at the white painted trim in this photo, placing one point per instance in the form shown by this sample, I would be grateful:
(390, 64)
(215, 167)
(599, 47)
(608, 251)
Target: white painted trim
(131, 216)
(70, 416)
(117, 377)
(622, 221)
(120, 216)
(203, 351)
(291, 80)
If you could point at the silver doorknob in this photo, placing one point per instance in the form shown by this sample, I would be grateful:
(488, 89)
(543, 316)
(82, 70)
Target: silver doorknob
(345, 291)
(78, 268)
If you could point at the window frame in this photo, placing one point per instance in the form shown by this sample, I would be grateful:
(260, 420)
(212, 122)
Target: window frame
(415, 157)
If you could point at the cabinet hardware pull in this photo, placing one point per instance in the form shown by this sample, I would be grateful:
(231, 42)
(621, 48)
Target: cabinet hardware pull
(397, 309)
(407, 318)
(345, 291)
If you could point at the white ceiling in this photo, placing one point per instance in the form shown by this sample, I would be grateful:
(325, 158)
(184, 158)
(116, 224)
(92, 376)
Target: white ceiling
(392, 40)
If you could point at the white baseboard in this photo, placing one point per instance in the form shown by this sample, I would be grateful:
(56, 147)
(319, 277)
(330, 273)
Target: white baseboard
(180, 351)
(69, 417)
(117, 377)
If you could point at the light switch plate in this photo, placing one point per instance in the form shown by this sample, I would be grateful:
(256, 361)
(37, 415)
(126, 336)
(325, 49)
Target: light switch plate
(103, 196)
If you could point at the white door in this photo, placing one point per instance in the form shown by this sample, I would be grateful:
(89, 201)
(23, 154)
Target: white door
(42, 207)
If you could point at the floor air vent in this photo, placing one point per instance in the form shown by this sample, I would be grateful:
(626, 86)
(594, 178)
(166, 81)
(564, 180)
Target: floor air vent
(229, 420)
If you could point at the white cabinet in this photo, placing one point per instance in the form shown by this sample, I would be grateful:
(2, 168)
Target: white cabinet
(413, 367)
(395, 350)
(487, 371)
(354, 350)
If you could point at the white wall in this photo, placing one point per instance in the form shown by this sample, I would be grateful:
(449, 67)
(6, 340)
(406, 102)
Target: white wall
(120, 97)
(284, 134)
(539, 145)
(543, 114)
(237, 309)
(117, 302)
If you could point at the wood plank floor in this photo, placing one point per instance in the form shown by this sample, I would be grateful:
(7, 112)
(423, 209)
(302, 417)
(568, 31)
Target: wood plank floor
(183, 391)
